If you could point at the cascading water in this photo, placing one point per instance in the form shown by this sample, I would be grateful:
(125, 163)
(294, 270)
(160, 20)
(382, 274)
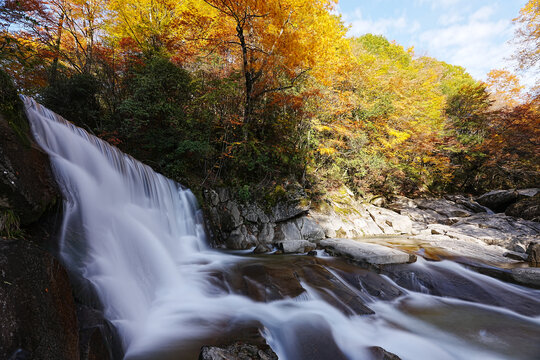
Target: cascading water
(138, 239)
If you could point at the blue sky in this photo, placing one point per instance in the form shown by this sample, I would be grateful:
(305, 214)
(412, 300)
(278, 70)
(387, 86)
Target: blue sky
(474, 34)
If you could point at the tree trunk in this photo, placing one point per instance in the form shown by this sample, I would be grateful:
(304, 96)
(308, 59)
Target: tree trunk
(54, 66)
(248, 76)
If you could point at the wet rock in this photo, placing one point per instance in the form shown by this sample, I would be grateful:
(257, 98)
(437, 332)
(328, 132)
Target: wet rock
(310, 338)
(237, 351)
(528, 208)
(380, 354)
(296, 246)
(36, 304)
(261, 249)
(533, 252)
(527, 276)
(366, 252)
(98, 339)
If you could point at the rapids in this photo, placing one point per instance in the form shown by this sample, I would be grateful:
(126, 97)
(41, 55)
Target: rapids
(137, 240)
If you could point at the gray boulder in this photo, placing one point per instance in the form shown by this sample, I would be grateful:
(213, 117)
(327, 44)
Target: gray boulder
(389, 221)
(367, 253)
(288, 231)
(296, 246)
(309, 229)
(527, 276)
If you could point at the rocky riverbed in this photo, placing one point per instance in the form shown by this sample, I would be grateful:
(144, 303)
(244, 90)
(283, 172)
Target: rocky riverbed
(455, 226)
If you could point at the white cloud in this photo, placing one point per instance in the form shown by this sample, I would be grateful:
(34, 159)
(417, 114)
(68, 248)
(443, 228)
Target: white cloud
(474, 44)
(483, 14)
(361, 25)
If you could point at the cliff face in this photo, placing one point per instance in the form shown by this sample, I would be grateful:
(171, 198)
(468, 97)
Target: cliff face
(37, 308)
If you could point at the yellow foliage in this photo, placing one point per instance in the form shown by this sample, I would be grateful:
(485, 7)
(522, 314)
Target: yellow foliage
(326, 150)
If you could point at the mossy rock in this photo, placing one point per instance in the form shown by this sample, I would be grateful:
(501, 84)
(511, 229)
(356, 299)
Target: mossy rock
(12, 109)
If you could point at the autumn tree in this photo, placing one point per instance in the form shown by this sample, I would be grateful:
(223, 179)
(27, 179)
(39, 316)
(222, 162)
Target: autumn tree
(505, 88)
(528, 34)
(275, 42)
(168, 27)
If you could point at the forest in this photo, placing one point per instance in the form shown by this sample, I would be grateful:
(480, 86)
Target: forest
(254, 94)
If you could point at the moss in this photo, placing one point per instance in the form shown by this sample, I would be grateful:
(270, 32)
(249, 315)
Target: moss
(304, 202)
(10, 225)
(12, 108)
(274, 196)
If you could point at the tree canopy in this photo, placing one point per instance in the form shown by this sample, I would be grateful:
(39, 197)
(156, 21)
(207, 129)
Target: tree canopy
(255, 93)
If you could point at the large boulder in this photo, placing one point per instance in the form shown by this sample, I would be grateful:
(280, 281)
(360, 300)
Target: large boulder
(500, 200)
(366, 253)
(27, 187)
(527, 208)
(36, 304)
(296, 246)
(527, 276)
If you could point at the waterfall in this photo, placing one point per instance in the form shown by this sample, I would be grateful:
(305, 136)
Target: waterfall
(138, 239)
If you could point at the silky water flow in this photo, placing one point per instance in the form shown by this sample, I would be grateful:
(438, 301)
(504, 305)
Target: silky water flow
(138, 240)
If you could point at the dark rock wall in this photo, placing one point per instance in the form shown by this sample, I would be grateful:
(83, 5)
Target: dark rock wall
(36, 304)
(27, 187)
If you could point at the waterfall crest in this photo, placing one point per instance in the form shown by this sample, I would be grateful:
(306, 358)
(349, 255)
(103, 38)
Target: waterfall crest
(125, 226)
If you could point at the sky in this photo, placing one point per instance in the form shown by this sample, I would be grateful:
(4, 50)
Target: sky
(475, 34)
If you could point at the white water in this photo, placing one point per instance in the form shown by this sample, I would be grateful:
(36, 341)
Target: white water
(138, 238)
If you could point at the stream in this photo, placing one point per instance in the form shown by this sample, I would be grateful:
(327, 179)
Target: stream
(137, 240)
